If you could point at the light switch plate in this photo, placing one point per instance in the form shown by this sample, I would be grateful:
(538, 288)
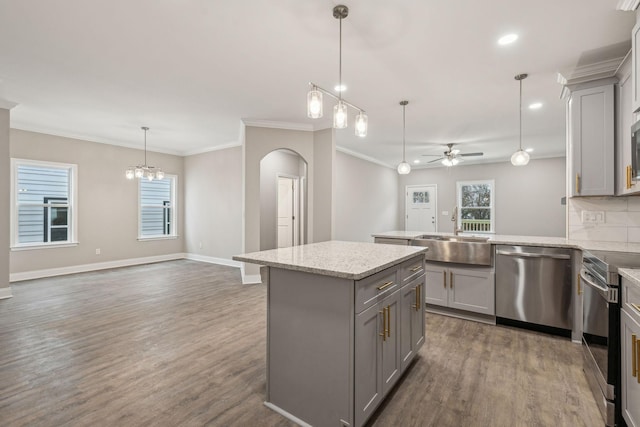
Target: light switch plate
(593, 217)
(445, 213)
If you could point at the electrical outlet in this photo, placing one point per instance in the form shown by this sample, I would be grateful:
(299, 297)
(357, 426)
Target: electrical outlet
(98, 251)
(445, 213)
(592, 217)
(200, 245)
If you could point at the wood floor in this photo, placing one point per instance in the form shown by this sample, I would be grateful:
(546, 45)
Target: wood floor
(182, 343)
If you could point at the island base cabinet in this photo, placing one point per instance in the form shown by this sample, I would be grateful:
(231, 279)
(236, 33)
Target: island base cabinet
(412, 312)
(461, 288)
(630, 362)
(377, 355)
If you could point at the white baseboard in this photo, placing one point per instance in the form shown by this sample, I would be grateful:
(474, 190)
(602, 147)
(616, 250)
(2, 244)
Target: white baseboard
(214, 260)
(251, 279)
(5, 293)
(60, 271)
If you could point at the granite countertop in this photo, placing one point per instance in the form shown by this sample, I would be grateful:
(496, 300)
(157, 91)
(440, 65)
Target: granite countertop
(498, 239)
(633, 274)
(348, 260)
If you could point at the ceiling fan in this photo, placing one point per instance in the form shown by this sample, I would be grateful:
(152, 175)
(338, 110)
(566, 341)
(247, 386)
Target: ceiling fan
(451, 156)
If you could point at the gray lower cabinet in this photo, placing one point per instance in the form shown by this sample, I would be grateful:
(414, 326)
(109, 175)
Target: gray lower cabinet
(630, 353)
(461, 288)
(336, 347)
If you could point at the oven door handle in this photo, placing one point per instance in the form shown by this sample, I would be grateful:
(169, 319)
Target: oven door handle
(532, 255)
(608, 293)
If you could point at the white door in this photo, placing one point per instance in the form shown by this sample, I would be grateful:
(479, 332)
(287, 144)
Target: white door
(421, 208)
(287, 209)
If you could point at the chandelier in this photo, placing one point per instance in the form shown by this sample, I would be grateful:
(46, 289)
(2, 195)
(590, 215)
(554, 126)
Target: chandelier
(144, 170)
(340, 115)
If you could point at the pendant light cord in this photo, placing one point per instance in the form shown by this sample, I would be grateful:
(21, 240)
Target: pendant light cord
(403, 132)
(520, 114)
(145, 147)
(340, 64)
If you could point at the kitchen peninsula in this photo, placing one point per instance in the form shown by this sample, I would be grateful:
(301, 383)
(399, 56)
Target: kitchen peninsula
(344, 321)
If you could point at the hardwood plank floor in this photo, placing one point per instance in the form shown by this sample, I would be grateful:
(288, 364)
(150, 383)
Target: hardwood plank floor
(182, 343)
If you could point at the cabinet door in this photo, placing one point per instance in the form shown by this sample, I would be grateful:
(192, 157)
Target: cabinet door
(624, 116)
(411, 320)
(391, 345)
(635, 67)
(592, 141)
(630, 382)
(436, 284)
(472, 290)
(369, 326)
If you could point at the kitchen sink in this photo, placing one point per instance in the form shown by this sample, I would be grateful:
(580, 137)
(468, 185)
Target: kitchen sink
(456, 249)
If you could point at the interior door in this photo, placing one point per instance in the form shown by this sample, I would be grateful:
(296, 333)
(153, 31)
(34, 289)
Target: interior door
(286, 215)
(420, 208)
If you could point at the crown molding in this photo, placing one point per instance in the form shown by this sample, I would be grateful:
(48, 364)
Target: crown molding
(364, 157)
(279, 125)
(588, 73)
(214, 148)
(7, 105)
(627, 5)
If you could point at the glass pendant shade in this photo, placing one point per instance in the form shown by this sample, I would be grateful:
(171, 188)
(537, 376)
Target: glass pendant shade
(130, 174)
(159, 174)
(404, 168)
(361, 124)
(150, 176)
(520, 158)
(340, 115)
(139, 172)
(314, 104)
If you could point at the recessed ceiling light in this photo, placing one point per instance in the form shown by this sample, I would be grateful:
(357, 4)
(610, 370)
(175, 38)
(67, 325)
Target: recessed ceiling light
(507, 39)
(339, 88)
(416, 161)
(529, 150)
(535, 105)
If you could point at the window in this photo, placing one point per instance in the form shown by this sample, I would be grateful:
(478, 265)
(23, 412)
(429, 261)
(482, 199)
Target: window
(476, 207)
(157, 208)
(43, 197)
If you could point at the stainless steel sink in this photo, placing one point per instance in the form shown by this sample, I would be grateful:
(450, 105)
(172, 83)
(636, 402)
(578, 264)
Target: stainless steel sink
(456, 249)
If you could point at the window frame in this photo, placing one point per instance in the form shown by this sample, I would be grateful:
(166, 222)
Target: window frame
(492, 205)
(172, 209)
(71, 205)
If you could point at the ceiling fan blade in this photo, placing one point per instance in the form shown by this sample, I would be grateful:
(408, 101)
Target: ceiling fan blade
(471, 154)
(432, 155)
(436, 160)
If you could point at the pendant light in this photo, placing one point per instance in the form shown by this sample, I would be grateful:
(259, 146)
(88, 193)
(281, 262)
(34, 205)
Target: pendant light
(340, 113)
(403, 168)
(144, 170)
(520, 157)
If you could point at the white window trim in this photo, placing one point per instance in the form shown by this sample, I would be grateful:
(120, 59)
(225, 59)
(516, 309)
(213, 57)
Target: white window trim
(73, 207)
(174, 225)
(492, 183)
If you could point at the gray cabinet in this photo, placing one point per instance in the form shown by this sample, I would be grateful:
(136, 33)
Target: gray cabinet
(630, 353)
(635, 68)
(412, 321)
(461, 288)
(625, 177)
(591, 140)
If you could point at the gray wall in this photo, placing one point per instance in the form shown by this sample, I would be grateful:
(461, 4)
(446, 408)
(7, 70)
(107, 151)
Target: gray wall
(366, 199)
(324, 156)
(527, 199)
(107, 206)
(213, 203)
(5, 191)
(274, 163)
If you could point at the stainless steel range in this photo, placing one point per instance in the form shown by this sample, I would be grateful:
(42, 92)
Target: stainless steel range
(600, 284)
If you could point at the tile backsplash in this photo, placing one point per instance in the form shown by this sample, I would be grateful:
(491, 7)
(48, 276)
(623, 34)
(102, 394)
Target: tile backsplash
(620, 223)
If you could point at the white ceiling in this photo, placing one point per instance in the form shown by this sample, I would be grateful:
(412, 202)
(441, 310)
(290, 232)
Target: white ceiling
(193, 70)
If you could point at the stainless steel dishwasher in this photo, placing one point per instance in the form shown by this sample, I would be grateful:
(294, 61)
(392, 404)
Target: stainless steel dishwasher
(533, 285)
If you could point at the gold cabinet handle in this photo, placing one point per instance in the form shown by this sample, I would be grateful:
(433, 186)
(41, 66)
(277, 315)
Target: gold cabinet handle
(388, 321)
(384, 324)
(579, 285)
(385, 286)
(636, 306)
(417, 304)
(629, 172)
(419, 301)
(577, 183)
(634, 355)
(638, 360)
(451, 279)
(414, 269)
(444, 279)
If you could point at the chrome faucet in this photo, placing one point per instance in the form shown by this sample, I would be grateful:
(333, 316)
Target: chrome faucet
(454, 218)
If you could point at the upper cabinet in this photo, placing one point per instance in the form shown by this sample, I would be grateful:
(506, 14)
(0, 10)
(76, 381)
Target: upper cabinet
(625, 99)
(591, 134)
(635, 66)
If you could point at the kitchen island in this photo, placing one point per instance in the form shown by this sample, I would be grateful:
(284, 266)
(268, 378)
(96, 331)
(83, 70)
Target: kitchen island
(344, 321)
